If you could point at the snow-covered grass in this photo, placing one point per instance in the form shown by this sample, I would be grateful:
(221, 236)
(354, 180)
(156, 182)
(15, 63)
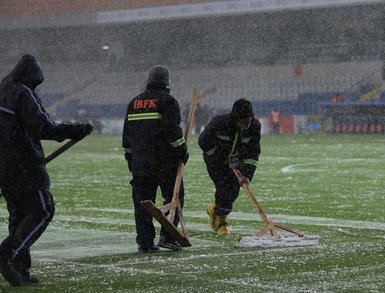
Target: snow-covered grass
(331, 186)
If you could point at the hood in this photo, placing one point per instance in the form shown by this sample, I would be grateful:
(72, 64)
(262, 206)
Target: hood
(28, 72)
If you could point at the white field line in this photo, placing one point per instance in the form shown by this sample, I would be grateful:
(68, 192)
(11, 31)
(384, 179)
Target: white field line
(63, 243)
(66, 245)
(302, 220)
(307, 166)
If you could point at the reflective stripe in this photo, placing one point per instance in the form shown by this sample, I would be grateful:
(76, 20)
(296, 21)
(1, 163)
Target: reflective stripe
(178, 142)
(251, 162)
(234, 144)
(7, 110)
(143, 116)
(211, 151)
(223, 137)
(37, 228)
(245, 139)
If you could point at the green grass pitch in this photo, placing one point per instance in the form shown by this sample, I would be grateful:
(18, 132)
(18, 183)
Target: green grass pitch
(331, 186)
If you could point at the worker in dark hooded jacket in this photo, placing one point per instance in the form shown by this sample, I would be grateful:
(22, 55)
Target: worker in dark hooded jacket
(24, 180)
(230, 141)
(154, 146)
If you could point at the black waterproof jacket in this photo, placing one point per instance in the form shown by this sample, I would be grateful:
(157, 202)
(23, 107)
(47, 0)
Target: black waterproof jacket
(153, 140)
(223, 137)
(23, 123)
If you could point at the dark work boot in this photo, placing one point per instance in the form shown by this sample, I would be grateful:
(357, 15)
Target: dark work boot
(29, 280)
(9, 273)
(154, 248)
(169, 243)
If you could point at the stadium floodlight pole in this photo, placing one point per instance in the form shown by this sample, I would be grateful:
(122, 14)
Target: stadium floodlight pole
(269, 224)
(59, 151)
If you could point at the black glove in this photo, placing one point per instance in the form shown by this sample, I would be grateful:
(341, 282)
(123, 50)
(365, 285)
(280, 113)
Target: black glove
(183, 153)
(81, 130)
(185, 158)
(234, 161)
(248, 171)
(88, 128)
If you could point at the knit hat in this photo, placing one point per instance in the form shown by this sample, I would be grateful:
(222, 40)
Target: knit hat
(159, 74)
(242, 109)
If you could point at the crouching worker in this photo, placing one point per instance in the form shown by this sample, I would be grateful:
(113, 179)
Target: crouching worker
(24, 180)
(154, 146)
(230, 141)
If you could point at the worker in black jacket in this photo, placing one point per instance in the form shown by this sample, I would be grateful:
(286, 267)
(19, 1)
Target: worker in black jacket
(154, 146)
(24, 180)
(230, 141)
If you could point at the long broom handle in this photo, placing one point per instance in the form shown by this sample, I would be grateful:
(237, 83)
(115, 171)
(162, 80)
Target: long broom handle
(191, 115)
(61, 150)
(269, 223)
(175, 202)
(252, 197)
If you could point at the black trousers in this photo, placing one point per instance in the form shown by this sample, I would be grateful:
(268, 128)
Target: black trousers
(276, 127)
(226, 187)
(29, 215)
(145, 188)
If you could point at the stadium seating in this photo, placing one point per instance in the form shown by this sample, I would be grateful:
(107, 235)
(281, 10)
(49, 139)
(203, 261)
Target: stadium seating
(250, 55)
(98, 89)
(43, 7)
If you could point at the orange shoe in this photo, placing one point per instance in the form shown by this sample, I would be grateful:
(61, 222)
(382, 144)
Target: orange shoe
(223, 226)
(212, 217)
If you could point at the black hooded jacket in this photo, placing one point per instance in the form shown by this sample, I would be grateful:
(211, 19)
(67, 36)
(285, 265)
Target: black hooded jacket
(23, 123)
(152, 137)
(223, 137)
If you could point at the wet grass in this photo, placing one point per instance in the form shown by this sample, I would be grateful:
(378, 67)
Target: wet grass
(331, 186)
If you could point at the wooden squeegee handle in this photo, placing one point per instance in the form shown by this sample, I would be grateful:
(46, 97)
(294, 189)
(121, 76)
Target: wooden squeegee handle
(252, 197)
(61, 150)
